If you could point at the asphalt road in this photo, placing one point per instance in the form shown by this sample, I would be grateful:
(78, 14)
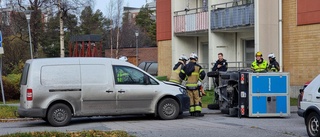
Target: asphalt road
(212, 124)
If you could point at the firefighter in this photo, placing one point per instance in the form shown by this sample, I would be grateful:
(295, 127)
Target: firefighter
(193, 74)
(259, 65)
(273, 64)
(177, 68)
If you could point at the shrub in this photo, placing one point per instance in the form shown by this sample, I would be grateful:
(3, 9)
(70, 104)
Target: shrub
(161, 78)
(11, 86)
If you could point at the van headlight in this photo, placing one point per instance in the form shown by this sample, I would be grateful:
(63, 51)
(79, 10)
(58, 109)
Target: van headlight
(183, 90)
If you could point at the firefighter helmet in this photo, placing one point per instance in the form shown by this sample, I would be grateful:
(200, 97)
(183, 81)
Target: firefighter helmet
(271, 55)
(183, 57)
(259, 54)
(193, 56)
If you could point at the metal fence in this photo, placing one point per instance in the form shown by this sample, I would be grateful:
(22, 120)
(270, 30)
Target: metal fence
(191, 20)
(232, 66)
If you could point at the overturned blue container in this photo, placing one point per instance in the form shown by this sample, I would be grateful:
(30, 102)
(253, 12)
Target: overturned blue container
(268, 94)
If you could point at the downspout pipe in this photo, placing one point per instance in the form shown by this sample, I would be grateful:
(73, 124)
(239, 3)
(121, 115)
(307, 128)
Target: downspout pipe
(280, 36)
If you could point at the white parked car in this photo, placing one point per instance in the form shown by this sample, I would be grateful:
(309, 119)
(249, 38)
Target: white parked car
(310, 107)
(57, 89)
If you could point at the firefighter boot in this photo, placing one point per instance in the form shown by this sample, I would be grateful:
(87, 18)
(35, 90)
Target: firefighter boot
(198, 114)
(192, 113)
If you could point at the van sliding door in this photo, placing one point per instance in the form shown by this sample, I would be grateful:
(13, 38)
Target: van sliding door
(98, 95)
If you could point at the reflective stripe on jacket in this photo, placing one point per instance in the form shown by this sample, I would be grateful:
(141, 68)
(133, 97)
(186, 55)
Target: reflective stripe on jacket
(193, 79)
(175, 75)
(273, 69)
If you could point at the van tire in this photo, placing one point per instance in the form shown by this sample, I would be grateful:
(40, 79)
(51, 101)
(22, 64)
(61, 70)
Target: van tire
(59, 115)
(168, 109)
(312, 122)
(45, 119)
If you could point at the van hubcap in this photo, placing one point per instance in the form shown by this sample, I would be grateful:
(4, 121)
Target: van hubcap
(59, 115)
(314, 125)
(168, 109)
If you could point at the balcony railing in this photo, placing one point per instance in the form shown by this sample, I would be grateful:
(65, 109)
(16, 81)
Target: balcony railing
(232, 15)
(191, 20)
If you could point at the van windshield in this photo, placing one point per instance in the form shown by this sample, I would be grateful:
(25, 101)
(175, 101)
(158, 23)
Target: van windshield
(24, 76)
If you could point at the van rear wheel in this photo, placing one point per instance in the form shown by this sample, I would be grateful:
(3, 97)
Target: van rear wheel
(168, 109)
(59, 115)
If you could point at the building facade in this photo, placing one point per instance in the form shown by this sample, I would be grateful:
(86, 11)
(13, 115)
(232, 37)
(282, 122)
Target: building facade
(236, 28)
(164, 37)
(301, 29)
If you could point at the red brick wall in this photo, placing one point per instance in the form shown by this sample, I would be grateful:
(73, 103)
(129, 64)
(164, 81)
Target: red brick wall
(163, 20)
(308, 12)
(144, 54)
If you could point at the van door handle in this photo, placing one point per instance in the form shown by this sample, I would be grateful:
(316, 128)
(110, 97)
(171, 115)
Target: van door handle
(121, 91)
(317, 97)
(109, 91)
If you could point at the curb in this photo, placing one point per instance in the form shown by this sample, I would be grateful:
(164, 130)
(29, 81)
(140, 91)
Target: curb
(18, 119)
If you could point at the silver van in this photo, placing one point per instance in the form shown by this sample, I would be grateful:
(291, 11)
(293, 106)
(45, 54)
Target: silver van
(57, 89)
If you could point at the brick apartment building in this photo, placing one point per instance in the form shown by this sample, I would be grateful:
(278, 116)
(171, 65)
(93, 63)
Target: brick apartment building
(237, 28)
(301, 40)
(288, 28)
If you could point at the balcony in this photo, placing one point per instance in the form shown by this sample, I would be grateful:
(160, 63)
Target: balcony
(191, 21)
(232, 15)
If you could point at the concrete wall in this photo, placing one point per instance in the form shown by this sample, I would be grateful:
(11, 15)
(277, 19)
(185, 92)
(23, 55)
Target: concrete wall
(183, 45)
(267, 26)
(224, 43)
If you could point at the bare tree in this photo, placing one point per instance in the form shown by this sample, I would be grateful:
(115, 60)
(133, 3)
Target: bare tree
(63, 7)
(110, 16)
(118, 21)
(128, 30)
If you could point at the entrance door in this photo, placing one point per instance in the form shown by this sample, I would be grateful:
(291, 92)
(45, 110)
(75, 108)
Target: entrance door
(205, 62)
(248, 53)
(204, 53)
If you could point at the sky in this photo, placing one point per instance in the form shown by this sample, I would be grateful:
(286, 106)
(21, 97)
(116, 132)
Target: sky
(102, 4)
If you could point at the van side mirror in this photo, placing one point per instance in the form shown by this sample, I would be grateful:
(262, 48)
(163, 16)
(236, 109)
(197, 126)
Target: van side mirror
(319, 90)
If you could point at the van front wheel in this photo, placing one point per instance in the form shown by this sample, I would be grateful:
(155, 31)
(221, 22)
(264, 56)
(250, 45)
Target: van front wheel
(59, 115)
(168, 109)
